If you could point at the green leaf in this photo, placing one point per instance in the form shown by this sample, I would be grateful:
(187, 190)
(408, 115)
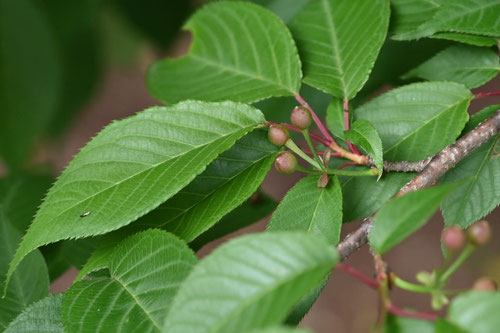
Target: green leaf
(476, 311)
(401, 216)
(363, 196)
(134, 165)
(29, 283)
(339, 42)
(240, 52)
(475, 199)
(43, 316)
(443, 326)
(305, 304)
(396, 324)
(98, 260)
(251, 211)
(469, 65)
(225, 184)
(30, 75)
(62, 255)
(146, 270)
(479, 17)
(480, 116)
(250, 282)
(335, 118)
(407, 15)
(418, 120)
(364, 134)
(280, 329)
(470, 39)
(312, 209)
(21, 195)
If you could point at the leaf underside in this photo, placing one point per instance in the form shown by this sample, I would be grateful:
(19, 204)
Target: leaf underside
(469, 65)
(226, 183)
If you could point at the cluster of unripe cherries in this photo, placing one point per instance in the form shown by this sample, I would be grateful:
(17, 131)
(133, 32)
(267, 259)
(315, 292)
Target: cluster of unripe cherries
(454, 239)
(286, 162)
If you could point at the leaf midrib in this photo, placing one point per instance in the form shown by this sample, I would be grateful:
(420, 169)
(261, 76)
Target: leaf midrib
(335, 42)
(137, 302)
(425, 123)
(238, 71)
(474, 178)
(250, 301)
(322, 192)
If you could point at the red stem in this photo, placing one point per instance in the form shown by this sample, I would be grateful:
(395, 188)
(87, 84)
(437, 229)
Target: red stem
(487, 94)
(410, 314)
(295, 129)
(346, 164)
(316, 119)
(358, 275)
(347, 126)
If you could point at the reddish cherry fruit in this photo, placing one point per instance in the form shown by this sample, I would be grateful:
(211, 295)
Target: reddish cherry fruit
(485, 284)
(301, 118)
(453, 238)
(480, 233)
(286, 163)
(278, 135)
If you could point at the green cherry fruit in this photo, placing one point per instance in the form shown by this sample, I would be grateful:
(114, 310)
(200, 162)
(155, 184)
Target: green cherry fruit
(286, 163)
(278, 135)
(301, 118)
(453, 238)
(480, 232)
(485, 284)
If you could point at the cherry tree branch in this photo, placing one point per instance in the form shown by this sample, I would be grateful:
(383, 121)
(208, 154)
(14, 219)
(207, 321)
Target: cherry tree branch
(402, 166)
(435, 169)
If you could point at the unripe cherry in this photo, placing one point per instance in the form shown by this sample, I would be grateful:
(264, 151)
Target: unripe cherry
(286, 163)
(301, 118)
(480, 233)
(485, 284)
(453, 238)
(278, 135)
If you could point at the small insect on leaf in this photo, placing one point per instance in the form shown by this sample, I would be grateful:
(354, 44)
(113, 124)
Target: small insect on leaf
(85, 214)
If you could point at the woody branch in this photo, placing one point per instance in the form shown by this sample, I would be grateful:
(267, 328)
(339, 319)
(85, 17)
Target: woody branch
(433, 170)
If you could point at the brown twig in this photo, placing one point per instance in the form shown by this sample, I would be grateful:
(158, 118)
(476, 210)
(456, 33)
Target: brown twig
(402, 166)
(435, 169)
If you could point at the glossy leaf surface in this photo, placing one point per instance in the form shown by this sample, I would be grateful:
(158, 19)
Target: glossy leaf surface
(250, 282)
(312, 209)
(240, 52)
(339, 42)
(151, 155)
(418, 120)
(146, 270)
